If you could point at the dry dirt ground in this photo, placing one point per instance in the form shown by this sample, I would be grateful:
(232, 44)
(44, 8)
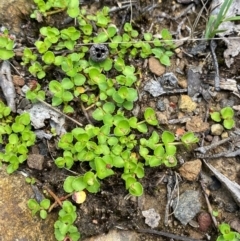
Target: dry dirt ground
(111, 208)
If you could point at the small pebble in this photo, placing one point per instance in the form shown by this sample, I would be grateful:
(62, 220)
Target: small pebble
(35, 161)
(216, 129)
(152, 218)
(204, 221)
(224, 135)
(190, 170)
(208, 138)
(161, 105)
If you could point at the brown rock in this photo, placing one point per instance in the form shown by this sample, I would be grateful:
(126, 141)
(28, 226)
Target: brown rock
(162, 117)
(35, 161)
(12, 14)
(156, 67)
(186, 104)
(196, 124)
(18, 80)
(235, 224)
(16, 220)
(182, 82)
(204, 221)
(190, 170)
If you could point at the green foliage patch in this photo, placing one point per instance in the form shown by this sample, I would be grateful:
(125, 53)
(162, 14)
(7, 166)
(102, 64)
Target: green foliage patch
(17, 137)
(227, 234)
(226, 116)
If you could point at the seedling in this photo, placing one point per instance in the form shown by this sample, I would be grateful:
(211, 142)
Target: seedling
(163, 152)
(61, 94)
(6, 46)
(30, 180)
(226, 115)
(227, 234)
(18, 135)
(212, 27)
(45, 7)
(64, 228)
(41, 207)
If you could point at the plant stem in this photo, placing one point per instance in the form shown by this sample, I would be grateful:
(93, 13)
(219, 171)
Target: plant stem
(55, 11)
(141, 122)
(213, 46)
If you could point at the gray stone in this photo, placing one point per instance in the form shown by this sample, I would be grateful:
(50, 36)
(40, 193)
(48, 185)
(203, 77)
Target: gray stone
(152, 218)
(188, 205)
(154, 88)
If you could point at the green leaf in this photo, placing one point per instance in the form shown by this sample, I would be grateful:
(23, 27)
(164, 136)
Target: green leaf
(48, 57)
(73, 8)
(132, 94)
(55, 87)
(135, 188)
(119, 64)
(154, 138)
(109, 107)
(170, 150)
(164, 59)
(153, 161)
(67, 96)
(17, 127)
(170, 161)
(122, 128)
(33, 204)
(111, 30)
(101, 38)
(159, 152)
(68, 109)
(102, 167)
(224, 228)
(142, 127)
(134, 33)
(74, 236)
(87, 29)
(43, 214)
(13, 139)
(216, 116)
(227, 113)
(6, 54)
(45, 203)
(229, 123)
(166, 34)
(98, 114)
(67, 83)
(189, 138)
(150, 116)
(167, 137)
(67, 185)
(79, 79)
(78, 184)
(147, 36)
(115, 42)
(127, 27)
